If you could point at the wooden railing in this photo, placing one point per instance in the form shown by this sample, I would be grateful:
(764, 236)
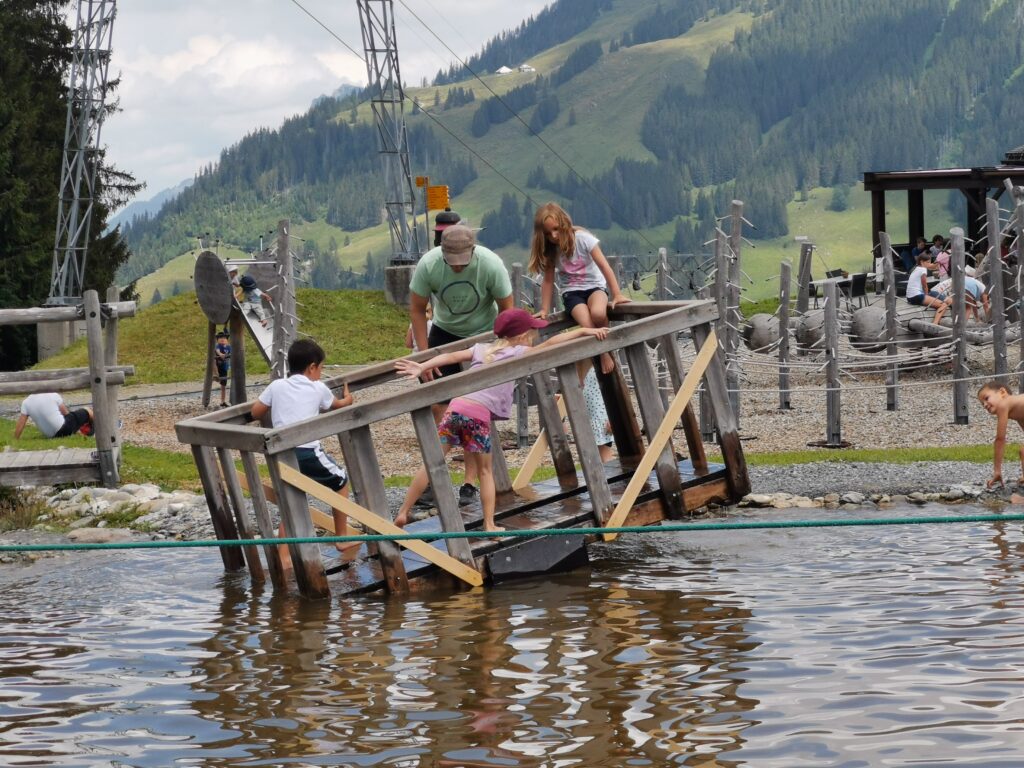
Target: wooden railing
(213, 437)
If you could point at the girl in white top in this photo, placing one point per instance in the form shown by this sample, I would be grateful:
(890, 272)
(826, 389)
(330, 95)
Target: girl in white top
(917, 288)
(585, 279)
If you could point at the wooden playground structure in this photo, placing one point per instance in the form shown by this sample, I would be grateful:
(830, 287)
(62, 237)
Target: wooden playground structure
(103, 377)
(646, 484)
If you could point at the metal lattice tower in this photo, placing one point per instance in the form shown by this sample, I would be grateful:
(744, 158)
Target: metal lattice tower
(87, 87)
(377, 19)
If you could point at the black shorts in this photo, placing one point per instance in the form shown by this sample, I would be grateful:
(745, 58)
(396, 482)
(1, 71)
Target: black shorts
(73, 422)
(222, 374)
(321, 468)
(438, 337)
(572, 299)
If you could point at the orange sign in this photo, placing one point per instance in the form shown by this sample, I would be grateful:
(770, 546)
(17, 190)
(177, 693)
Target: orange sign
(422, 181)
(437, 197)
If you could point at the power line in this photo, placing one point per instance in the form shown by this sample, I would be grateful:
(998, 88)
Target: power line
(328, 30)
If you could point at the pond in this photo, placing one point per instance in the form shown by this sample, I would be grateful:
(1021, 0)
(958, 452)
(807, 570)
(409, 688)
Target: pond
(868, 646)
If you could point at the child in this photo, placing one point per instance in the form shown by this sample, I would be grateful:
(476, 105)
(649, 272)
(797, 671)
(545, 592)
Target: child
(467, 421)
(222, 357)
(585, 280)
(252, 298)
(52, 417)
(917, 288)
(997, 400)
(301, 396)
(599, 423)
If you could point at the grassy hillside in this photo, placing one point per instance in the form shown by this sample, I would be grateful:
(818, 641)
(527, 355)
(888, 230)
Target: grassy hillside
(167, 342)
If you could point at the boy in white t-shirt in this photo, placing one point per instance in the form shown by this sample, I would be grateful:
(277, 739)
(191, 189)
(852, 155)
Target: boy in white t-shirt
(299, 397)
(52, 417)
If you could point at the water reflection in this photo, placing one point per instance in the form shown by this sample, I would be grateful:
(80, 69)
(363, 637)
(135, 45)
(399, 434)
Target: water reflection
(830, 647)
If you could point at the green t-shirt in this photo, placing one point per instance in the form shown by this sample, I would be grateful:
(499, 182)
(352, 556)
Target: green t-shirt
(464, 301)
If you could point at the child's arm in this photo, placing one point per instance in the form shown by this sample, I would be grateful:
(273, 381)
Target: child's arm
(259, 410)
(20, 426)
(408, 337)
(617, 297)
(999, 447)
(345, 399)
(415, 370)
(547, 291)
(576, 333)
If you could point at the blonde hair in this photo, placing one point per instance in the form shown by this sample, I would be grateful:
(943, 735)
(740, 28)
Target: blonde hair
(544, 253)
(495, 347)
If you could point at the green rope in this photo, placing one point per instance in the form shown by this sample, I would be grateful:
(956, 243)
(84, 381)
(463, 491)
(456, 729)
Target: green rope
(433, 536)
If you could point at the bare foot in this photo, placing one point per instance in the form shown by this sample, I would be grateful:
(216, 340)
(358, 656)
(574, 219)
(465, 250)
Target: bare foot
(607, 363)
(1016, 498)
(345, 546)
(493, 529)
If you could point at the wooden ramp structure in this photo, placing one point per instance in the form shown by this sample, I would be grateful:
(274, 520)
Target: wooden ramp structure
(103, 377)
(648, 483)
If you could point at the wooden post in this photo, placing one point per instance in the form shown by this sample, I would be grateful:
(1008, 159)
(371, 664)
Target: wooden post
(437, 470)
(1019, 219)
(104, 431)
(735, 315)
(833, 435)
(892, 373)
(236, 326)
(264, 523)
(551, 421)
(707, 413)
(285, 321)
(516, 275)
(586, 444)
(522, 390)
(216, 501)
(652, 407)
(803, 278)
(617, 401)
(995, 266)
(728, 433)
(364, 469)
(661, 289)
(294, 510)
(691, 429)
(784, 286)
(499, 466)
(110, 360)
(211, 363)
(959, 310)
(234, 495)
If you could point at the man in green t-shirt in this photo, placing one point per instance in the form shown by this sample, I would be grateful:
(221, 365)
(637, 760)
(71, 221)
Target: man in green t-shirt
(470, 286)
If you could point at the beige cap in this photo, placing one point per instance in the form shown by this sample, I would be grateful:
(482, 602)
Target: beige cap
(457, 244)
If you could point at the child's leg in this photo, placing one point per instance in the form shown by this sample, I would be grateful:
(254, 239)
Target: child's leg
(341, 527)
(484, 467)
(419, 484)
(581, 314)
(283, 553)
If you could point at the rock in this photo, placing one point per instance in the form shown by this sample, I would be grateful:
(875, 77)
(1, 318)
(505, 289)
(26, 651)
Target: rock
(852, 497)
(85, 522)
(100, 535)
(831, 498)
(953, 494)
(917, 498)
(758, 499)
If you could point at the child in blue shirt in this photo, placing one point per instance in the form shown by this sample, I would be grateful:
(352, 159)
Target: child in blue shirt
(222, 357)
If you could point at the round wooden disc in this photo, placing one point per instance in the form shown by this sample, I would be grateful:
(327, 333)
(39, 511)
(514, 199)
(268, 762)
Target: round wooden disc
(213, 287)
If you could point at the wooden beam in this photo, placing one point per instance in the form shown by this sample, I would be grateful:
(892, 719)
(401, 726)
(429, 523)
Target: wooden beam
(669, 346)
(46, 374)
(536, 454)
(64, 384)
(318, 518)
(252, 483)
(234, 488)
(586, 443)
(35, 315)
(216, 502)
(661, 437)
(378, 524)
(292, 504)
(103, 425)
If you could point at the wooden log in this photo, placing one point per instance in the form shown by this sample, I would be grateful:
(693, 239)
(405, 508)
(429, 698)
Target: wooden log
(65, 384)
(104, 430)
(285, 314)
(735, 319)
(50, 374)
(803, 279)
(996, 292)
(892, 374)
(264, 522)
(551, 419)
(959, 311)
(216, 502)
(1019, 223)
(241, 514)
(652, 408)
(110, 361)
(437, 470)
(661, 292)
(236, 328)
(621, 415)
(292, 504)
(833, 433)
(586, 444)
(691, 429)
(211, 363)
(364, 469)
(37, 315)
(784, 286)
(728, 432)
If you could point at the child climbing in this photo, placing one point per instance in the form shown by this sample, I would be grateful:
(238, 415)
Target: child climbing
(253, 298)
(585, 280)
(1001, 403)
(299, 397)
(467, 421)
(222, 357)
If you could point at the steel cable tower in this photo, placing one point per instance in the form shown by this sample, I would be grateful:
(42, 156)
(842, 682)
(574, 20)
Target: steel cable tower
(87, 88)
(377, 20)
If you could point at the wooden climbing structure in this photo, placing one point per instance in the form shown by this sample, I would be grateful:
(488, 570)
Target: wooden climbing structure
(648, 482)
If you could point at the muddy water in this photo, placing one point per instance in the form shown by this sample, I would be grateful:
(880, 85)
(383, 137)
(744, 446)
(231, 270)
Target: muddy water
(894, 646)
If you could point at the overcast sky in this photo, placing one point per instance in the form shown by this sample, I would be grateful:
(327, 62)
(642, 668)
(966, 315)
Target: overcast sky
(197, 75)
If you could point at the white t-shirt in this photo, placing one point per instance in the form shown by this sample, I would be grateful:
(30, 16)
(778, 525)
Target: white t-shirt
(296, 398)
(579, 272)
(44, 410)
(914, 282)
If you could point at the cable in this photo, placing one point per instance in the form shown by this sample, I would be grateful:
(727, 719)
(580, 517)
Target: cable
(329, 31)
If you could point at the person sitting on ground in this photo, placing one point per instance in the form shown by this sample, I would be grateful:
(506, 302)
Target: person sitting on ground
(467, 420)
(222, 357)
(252, 298)
(997, 399)
(299, 397)
(917, 288)
(52, 417)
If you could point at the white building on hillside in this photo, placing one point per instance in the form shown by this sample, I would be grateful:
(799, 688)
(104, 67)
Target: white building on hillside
(526, 68)
(502, 71)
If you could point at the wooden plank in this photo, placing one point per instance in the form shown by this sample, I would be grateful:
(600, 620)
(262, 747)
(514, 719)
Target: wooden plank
(364, 469)
(625, 428)
(536, 453)
(669, 346)
(378, 524)
(49, 374)
(234, 436)
(441, 482)
(648, 396)
(37, 315)
(236, 327)
(586, 443)
(113, 388)
(104, 428)
(253, 484)
(48, 475)
(63, 384)
(660, 438)
(216, 502)
(292, 504)
(499, 466)
(551, 413)
(234, 488)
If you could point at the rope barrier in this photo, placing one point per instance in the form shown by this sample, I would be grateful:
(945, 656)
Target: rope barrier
(519, 533)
